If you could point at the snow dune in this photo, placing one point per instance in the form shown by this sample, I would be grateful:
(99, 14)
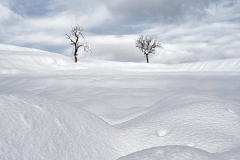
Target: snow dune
(52, 108)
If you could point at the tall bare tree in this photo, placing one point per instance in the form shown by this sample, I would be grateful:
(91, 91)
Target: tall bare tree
(147, 45)
(77, 33)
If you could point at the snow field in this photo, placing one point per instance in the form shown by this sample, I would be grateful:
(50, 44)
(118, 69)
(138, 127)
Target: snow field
(52, 108)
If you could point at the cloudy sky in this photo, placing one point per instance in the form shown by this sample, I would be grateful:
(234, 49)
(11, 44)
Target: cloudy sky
(189, 30)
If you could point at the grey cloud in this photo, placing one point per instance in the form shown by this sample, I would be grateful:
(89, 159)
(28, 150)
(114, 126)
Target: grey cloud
(32, 8)
(157, 10)
(7, 3)
(82, 7)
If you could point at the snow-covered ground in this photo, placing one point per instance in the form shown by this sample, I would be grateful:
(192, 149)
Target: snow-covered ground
(52, 108)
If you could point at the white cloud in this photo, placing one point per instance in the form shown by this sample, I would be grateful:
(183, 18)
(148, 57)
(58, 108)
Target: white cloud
(37, 38)
(111, 47)
(7, 14)
(207, 39)
(173, 57)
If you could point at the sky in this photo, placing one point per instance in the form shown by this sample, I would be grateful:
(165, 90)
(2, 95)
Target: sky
(189, 30)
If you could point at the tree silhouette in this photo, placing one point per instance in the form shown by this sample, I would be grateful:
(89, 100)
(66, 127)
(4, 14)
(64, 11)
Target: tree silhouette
(77, 33)
(147, 45)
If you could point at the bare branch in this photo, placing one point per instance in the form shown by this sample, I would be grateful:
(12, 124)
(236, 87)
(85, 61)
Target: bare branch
(77, 33)
(69, 37)
(147, 45)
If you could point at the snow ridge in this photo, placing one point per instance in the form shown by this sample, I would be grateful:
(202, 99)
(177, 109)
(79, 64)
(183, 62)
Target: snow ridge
(15, 59)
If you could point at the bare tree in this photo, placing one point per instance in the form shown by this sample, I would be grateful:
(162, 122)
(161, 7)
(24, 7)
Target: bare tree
(147, 45)
(77, 33)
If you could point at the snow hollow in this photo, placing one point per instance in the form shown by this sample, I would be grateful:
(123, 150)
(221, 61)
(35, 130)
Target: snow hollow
(52, 108)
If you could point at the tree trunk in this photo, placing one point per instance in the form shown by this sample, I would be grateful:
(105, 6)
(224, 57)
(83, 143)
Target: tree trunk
(75, 54)
(75, 50)
(75, 59)
(147, 58)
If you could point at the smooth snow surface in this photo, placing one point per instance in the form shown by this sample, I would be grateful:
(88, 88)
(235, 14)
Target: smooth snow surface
(53, 108)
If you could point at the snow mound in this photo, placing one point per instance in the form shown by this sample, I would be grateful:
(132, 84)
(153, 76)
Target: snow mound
(187, 120)
(12, 62)
(37, 128)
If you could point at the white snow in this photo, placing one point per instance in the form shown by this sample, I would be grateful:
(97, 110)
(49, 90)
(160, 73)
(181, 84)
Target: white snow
(162, 132)
(53, 108)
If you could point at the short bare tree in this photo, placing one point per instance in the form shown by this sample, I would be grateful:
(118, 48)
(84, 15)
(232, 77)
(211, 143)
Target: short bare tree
(77, 33)
(147, 45)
